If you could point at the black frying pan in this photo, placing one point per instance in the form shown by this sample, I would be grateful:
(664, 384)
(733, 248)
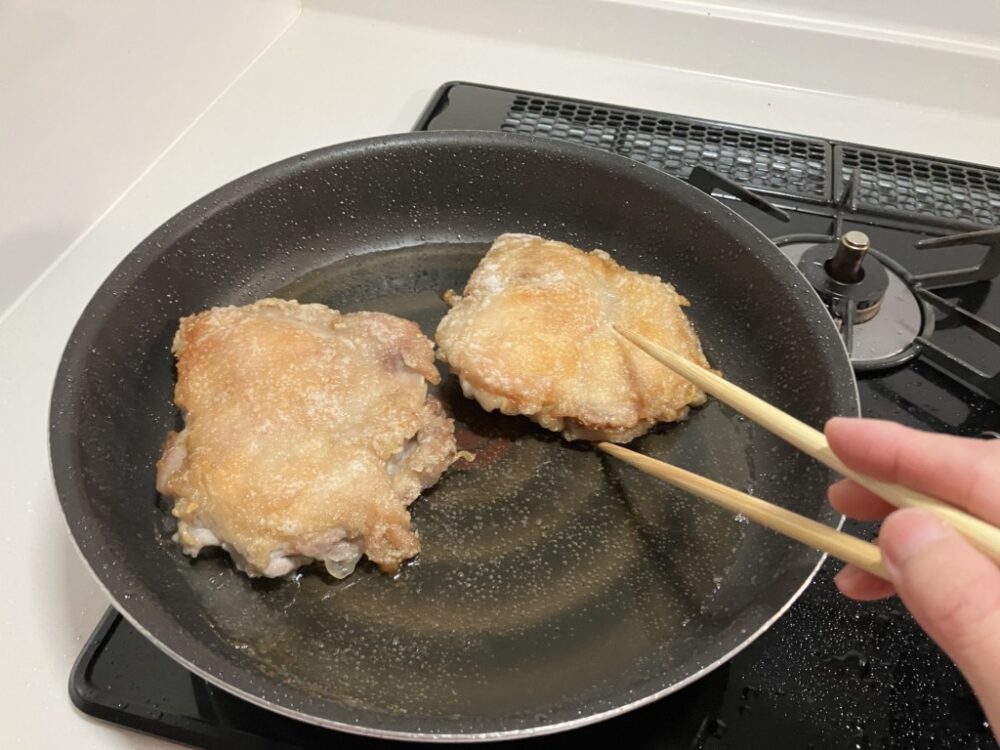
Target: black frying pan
(555, 586)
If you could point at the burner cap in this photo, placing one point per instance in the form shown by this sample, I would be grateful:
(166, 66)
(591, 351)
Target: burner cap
(842, 272)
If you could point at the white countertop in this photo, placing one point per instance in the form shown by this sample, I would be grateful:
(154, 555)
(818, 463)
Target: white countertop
(344, 70)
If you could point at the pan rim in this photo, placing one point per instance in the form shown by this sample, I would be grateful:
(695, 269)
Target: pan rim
(135, 261)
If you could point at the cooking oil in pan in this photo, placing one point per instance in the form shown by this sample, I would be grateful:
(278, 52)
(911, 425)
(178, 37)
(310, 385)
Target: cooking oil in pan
(545, 566)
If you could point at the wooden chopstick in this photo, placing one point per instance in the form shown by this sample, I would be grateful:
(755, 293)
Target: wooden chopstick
(983, 535)
(842, 546)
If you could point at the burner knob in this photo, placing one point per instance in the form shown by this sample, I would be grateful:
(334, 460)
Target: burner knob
(845, 265)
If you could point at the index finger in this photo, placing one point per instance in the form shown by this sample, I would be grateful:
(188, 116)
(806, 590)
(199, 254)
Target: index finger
(961, 471)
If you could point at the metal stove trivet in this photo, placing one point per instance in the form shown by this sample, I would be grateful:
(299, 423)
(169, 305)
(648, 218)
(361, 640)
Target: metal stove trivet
(886, 314)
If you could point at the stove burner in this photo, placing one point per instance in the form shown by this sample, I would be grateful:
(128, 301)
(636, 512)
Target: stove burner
(900, 327)
(844, 274)
(879, 315)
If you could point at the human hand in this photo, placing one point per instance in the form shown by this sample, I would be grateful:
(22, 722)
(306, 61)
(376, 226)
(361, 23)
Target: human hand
(952, 589)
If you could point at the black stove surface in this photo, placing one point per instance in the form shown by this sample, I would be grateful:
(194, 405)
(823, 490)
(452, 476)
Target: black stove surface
(831, 673)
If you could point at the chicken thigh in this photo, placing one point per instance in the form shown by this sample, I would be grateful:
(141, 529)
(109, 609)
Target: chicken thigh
(307, 435)
(532, 334)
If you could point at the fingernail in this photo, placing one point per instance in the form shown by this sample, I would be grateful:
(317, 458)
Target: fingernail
(909, 532)
(832, 421)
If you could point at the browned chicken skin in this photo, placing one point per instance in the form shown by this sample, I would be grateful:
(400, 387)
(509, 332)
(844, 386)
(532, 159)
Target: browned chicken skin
(308, 433)
(533, 334)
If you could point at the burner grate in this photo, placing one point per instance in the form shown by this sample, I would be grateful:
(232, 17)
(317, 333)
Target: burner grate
(897, 184)
(767, 162)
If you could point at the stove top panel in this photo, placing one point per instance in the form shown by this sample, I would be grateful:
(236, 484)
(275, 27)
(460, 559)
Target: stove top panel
(831, 673)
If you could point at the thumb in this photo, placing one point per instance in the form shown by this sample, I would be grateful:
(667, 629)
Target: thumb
(953, 591)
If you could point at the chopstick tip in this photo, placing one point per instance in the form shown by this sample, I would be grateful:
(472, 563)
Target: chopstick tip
(625, 333)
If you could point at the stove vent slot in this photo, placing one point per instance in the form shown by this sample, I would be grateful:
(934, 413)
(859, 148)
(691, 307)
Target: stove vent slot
(903, 185)
(767, 162)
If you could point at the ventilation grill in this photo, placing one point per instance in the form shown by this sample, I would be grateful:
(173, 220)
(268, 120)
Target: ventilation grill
(768, 162)
(900, 184)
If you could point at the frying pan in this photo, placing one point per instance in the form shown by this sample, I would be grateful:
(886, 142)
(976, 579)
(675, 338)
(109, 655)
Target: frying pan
(555, 587)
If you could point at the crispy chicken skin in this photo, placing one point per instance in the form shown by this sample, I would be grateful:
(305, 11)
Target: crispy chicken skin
(532, 334)
(307, 435)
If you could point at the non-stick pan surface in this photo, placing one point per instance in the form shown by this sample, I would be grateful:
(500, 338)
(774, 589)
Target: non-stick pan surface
(555, 586)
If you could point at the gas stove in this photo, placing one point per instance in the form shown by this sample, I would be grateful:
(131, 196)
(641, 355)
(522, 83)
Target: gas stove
(904, 250)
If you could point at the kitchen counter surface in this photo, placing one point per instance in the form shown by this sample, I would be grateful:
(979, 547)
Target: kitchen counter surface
(349, 70)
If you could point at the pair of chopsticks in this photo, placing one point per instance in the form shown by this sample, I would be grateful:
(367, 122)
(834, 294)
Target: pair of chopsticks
(865, 555)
